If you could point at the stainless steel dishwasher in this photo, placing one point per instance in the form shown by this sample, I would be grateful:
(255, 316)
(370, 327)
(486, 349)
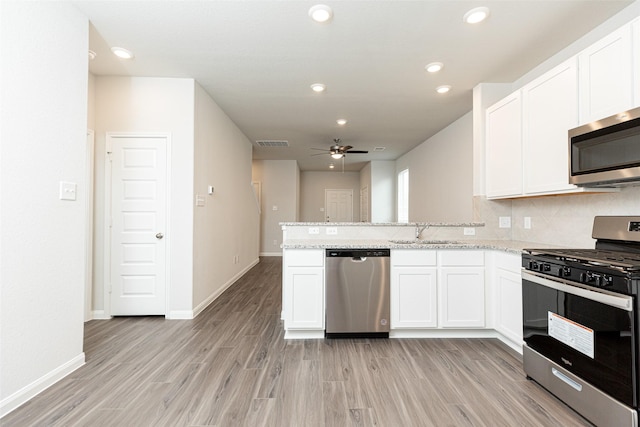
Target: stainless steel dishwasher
(357, 293)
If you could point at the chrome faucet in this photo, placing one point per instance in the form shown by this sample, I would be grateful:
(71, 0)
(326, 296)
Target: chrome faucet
(420, 229)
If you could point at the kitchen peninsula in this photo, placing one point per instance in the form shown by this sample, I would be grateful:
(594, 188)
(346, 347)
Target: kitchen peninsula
(446, 280)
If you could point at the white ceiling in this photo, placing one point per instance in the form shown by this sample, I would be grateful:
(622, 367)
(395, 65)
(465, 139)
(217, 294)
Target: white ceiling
(257, 60)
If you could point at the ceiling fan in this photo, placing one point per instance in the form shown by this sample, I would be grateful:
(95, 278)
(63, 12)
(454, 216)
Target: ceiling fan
(338, 151)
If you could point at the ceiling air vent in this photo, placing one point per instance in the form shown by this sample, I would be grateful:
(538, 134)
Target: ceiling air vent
(272, 143)
(379, 148)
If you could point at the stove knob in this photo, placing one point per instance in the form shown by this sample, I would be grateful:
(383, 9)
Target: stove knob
(564, 272)
(545, 267)
(598, 280)
(608, 281)
(585, 277)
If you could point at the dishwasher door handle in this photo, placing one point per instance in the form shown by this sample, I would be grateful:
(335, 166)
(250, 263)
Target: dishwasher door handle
(358, 259)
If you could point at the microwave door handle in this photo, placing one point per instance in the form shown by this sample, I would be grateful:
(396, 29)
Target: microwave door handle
(623, 302)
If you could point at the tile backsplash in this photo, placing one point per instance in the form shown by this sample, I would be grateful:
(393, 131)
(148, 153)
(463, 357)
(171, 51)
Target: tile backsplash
(559, 220)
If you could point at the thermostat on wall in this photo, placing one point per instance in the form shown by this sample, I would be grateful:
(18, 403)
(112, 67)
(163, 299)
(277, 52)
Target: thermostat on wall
(210, 190)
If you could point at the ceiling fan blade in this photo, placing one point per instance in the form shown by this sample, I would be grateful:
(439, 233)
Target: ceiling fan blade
(322, 149)
(346, 148)
(356, 152)
(319, 154)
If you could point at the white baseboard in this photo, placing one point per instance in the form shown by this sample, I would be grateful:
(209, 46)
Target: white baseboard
(270, 253)
(179, 315)
(38, 386)
(204, 304)
(99, 315)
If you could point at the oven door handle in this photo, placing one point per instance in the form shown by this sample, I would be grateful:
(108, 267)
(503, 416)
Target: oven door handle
(623, 302)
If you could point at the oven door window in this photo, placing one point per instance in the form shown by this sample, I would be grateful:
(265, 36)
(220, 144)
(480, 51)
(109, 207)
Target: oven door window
(610, 366)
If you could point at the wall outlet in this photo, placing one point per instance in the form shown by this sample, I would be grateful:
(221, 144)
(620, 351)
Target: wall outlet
(274, 208)
(275, 242)
(469, 231)
(314, 230)
(527, 222)
(332, 230)
(505, 222)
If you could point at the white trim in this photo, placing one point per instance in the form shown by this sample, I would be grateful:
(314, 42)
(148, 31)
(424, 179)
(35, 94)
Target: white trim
(88, 245)
(107, 215)
(204, 304)
(99, 315)
(270, 254)
(442, 333)
(41, 384)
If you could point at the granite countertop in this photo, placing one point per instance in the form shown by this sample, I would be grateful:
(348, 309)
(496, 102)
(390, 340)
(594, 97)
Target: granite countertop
(382, 224)
(510, 246)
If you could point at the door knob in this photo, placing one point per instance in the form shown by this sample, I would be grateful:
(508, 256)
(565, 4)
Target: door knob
(159, 236)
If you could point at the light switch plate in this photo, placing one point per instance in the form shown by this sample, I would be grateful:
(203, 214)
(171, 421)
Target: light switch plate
(200, 201)
(469, 231)
(314, 230)
(527, 222)
(332, 230)
(68, 190)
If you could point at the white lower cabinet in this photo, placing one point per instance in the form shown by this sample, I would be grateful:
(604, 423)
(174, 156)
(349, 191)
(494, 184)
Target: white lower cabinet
(413, 297)
(413, 289)
(303, 296)
(461, 297)
(437, 289)
(461, 289)
(508, 297)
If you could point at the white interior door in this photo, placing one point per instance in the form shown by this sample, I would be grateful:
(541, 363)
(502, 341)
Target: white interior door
(338, 205)
(138, 224)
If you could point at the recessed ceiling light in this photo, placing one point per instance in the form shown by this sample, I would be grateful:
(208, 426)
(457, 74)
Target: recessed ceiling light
(122, 53)
(443, 89)
(331, 166)
(476, 15)
(92, 55)
(434, 67)
(341, 122)
(321, 13)
(318, 87)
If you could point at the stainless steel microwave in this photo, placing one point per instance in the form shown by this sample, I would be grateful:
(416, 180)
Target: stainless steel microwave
(606, 153)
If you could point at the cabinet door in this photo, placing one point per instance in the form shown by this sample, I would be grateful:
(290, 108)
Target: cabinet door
(504, 148)
(606, 76)
(461, 297)
(509, 305)
(550, 109)
(413, 297)
(304, 297)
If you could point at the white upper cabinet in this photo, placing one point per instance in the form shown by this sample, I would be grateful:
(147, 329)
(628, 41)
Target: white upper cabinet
(607, 76)
(549, 110)
(504, 147)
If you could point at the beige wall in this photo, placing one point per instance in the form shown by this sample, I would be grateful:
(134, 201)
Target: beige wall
(441, 174)
(151, 105)
(43, 91)
(279, 182)
(312, 186)
(225, 234)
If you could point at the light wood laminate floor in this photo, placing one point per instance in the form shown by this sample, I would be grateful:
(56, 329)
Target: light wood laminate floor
(231, 367)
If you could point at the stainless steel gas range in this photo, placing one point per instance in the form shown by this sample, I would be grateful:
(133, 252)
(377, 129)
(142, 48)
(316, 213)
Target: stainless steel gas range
(581, 325)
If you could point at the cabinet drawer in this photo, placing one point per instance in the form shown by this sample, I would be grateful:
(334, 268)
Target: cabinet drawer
(465, 257)
(304, 258)
(413, 257)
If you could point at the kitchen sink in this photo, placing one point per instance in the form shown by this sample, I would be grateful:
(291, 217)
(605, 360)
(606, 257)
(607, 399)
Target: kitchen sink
(424, 242)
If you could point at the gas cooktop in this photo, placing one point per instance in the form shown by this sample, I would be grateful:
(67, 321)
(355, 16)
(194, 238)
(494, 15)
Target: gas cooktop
(624, 260)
